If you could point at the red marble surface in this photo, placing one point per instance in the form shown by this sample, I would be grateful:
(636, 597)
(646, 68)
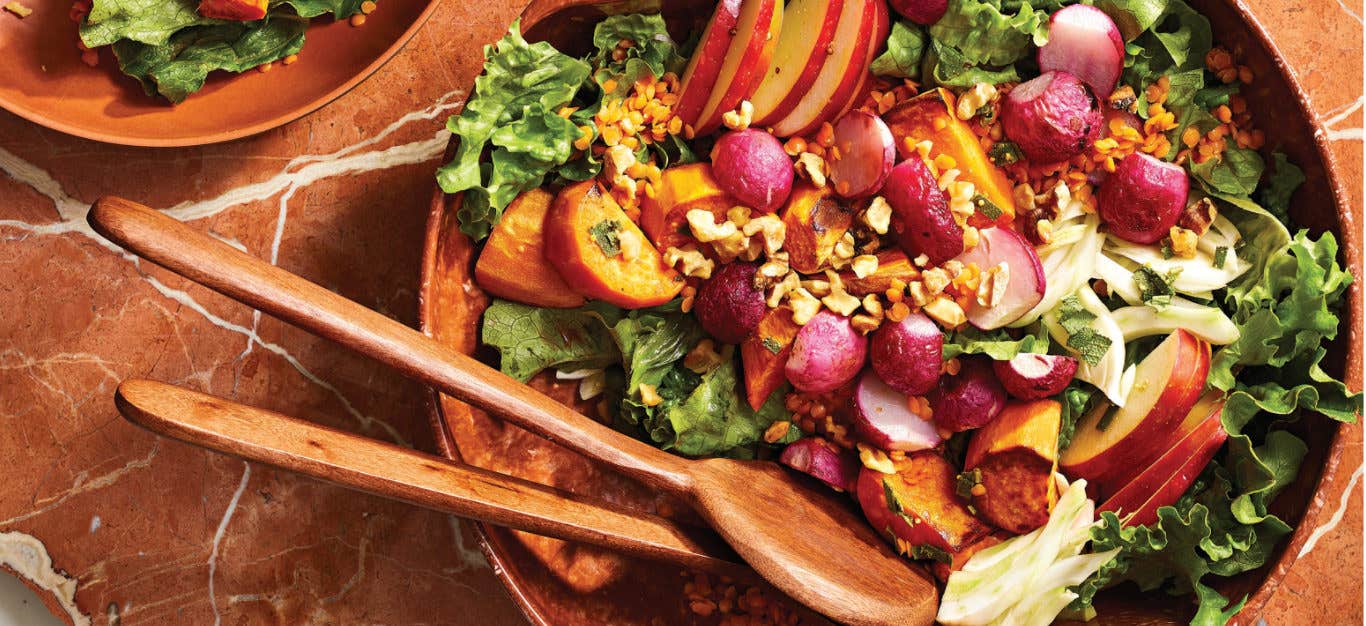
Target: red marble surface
(151, 532)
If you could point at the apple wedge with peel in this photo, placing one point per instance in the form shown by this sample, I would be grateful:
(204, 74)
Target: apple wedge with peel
(1192, 445)
(844, 67)
(746, 62)
(707, 59)
(1111, 444)
(808, 29)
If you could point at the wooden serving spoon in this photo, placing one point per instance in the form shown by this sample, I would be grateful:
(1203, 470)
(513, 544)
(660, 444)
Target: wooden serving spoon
(802, 538)
(420, 479)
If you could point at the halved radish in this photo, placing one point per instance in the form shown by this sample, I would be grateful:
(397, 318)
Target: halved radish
(907, 355)
(969, 399)
(1034, 376)
(1024, 276)
(867, 151)
(1084, 40)
(823, 461)
(884, 417)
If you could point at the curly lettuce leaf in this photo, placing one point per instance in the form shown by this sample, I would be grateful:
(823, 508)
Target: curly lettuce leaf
(997, 344)
(531, 339)
(512, 115)
(653, 54)
(180, 66)
(1281, 182)
(905, 49)
(340, 9)
(984, 34)
(715, 419)
(150, 22)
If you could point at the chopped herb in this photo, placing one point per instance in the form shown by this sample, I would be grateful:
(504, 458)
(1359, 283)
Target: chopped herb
(986, 207)
(985, 114)
(1090, 345)
(1220, 256)
(773, 345)
(926, 552)
(1005, 153)
(604, 233)
(966, 481)
(1167, 251)
(1155, 289)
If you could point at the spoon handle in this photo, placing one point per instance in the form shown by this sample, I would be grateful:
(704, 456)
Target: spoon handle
(413, 477)
(251, 281)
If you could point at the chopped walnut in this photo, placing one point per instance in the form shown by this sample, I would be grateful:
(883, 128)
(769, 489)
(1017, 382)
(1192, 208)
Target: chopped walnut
(875, 459)
(953, 267)
(817, 287)
(947, 178)
(733, 246)
(946, 311)
(740, 118)
(935, 280)
(772, 271)
(1198, 216)
(878, 215)
(1024, 198)
(1184, 242)
(739, 215)
(992, 289)
(844, 250)
(864, 265)
(921, 260)
(979, 96)
(804, 305)
(961, 206)
(782, 288)
(839, 300)
(774, 232)
(872, 305)
(695, 264)
(1043, 232)
(923, 148)
(918, 295)
(812, 168)
(706, 230)
(864, 323)
(971, 237)
(616, 161)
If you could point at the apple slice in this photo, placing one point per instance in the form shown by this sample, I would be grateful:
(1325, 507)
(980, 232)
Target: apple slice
(841, 72)
(1109, 445)
(1193, 444)
(705, 65)
(808, 29)
(756, 37)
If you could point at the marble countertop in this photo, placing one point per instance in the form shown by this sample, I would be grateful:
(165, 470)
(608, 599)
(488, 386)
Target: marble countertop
(117, 527)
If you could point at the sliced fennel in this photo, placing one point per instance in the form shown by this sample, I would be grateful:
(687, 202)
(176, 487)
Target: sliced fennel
(1208, 323)
(1193, 276)
(1069, 259)
(1024, 580)
(1108, 373)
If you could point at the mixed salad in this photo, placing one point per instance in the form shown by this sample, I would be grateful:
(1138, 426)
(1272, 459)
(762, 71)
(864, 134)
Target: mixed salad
(1021, 277)
(171, 46)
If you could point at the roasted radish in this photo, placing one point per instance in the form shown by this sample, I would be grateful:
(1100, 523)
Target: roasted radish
(907, 355)
(923, 12)
(866, 152)
(884, 417)
(823, 461)
(968, 399)
(1052, 118)
(1143, 199)
(1084, 41)
(921, 220)
(752, 166)
(828, 352)
(1016, 278)
(1033, 376)
(729, 306)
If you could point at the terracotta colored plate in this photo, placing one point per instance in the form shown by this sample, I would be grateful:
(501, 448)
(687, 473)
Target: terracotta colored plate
(45, 81)
(558, 583)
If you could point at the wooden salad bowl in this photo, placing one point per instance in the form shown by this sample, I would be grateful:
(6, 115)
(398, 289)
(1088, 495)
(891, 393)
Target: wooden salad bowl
(45, 81)
(559, 583)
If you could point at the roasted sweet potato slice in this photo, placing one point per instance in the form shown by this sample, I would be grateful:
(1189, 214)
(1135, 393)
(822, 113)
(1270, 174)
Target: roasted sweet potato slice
(892, 264)
(602, 254)
(512, 265)
(764, 354)
(924, 509)
(1017, 454)
(930, 115)
(239, 10)
(681, 189)
(816, 221)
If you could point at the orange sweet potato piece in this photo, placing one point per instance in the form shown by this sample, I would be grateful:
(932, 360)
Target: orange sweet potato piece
(764, 354)
(816, 221)
(930, 115)
(681, 189)
(892, 264)
(602, 254)
(925, 510)
(240, 10)
(511, 266)
(1017, 454)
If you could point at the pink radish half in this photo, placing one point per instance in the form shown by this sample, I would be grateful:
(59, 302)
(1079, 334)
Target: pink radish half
(867, 152)
(884, 417)
(1024, 286)
(1084, 40)
(1052, 117)
(823, 461)
(1034, 376)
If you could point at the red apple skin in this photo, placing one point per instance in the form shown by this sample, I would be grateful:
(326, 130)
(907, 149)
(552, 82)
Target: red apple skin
(705, 66)
(1112, 466)
(847, 94)
(1194, 443)
(755, 51)
(839, 76)
(815, 43)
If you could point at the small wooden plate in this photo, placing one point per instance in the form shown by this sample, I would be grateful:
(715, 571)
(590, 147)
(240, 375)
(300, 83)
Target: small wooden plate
(45, 81)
